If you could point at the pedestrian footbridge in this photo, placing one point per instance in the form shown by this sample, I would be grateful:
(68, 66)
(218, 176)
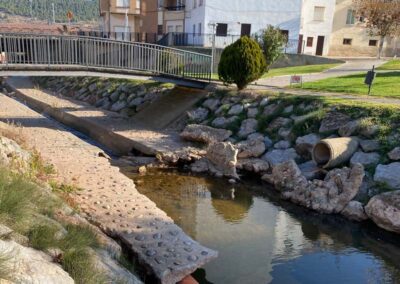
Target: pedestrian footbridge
(36, 54)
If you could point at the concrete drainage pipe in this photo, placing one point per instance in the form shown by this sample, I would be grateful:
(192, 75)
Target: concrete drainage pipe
(330, 153)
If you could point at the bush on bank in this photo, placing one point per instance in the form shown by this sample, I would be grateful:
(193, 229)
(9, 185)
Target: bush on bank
(242, 63)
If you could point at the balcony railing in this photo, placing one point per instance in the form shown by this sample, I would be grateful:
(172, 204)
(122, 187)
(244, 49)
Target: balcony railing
(175, 8)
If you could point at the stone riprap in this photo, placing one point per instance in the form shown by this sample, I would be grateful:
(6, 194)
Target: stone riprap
(109, 199)
(290, 128)
(125, 97)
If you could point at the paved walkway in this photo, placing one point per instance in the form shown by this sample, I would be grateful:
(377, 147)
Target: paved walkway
(352, 66)
(108, 198)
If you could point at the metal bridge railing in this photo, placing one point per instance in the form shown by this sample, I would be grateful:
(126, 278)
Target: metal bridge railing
(55, 51)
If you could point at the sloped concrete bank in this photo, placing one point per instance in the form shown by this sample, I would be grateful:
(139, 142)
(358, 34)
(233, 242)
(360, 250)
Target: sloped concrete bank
(117, 132)
(108, 198)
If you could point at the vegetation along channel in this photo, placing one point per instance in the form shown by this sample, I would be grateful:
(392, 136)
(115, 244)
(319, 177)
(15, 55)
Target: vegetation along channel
(261, 239)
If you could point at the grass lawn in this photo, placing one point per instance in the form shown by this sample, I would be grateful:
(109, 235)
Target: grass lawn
(391, 65)
(298, 70)
(385, 85)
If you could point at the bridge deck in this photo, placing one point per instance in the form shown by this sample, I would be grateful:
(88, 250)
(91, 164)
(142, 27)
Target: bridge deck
(24, 52)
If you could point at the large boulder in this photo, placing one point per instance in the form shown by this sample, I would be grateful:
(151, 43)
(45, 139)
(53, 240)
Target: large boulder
(205, 134)
(271, 109)
(394, 155)
(384, 210)
(223, 157)
(369, 145)
(275, 157)
(223, 122)
(355, 211)
(365, 159)
(236, 109)
(257, 166)
(211, 104)
(349, 129)
(253, 148)
(283, 144)
(333, 121)
(220, 160)
(12, 154)
(119, 105)
(279, 123)
(305, 144)
(329, 196)
(311, 171)
(27, 265)
(198, 115)
(252, 112)
(388, 174)
(248, 127)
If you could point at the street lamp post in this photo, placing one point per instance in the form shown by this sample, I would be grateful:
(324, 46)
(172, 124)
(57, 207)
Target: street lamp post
(213, 25)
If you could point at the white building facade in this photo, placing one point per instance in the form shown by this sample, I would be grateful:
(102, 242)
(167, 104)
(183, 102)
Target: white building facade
(316, 26)
(230, 19)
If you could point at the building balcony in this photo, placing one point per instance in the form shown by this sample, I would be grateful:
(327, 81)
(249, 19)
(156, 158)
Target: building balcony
(174, 15)
(175, 8)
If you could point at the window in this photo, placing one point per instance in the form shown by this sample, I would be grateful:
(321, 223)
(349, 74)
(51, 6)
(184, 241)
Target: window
(160, 29)
(350, 17)
(123, 3)
(286, 34)
(310, 41)
(200, 3)
(194, 4)
(319, 13)
(138, 5)
(194, 29)
(245, 30)
(373, 42)
(222, 29)
(347, 41)
(199, 28)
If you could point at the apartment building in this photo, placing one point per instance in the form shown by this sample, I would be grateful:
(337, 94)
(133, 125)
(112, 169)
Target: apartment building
(171, 16)
(133, 18)
(350, 38)
(230, 19)
(316, 27)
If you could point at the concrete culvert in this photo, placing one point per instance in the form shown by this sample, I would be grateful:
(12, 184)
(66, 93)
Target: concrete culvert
(330, 153)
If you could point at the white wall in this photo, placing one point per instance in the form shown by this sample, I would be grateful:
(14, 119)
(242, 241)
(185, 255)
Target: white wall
(285, 14)
(314, 28)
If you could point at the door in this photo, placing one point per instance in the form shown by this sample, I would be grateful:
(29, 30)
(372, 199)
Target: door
(300, 46)
(320, 45)
(245, 30)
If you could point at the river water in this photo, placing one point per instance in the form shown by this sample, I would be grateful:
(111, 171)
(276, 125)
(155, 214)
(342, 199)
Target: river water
(262, 239)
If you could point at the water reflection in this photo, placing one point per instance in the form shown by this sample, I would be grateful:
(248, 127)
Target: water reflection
(261, 239)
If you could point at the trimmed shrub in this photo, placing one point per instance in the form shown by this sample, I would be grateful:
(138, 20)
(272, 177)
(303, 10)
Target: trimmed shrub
(272, 42)
(241, 63)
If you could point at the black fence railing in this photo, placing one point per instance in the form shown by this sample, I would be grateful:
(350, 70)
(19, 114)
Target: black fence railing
(133, 37)
(206, 40)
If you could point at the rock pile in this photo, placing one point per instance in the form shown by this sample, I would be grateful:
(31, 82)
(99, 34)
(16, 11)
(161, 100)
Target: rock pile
(125, 97)
(274, 138)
